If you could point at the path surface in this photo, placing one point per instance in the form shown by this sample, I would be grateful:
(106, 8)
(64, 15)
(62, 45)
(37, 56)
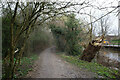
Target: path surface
(50, 65)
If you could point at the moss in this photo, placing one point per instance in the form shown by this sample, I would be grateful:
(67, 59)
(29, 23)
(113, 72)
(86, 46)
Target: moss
(91, 66)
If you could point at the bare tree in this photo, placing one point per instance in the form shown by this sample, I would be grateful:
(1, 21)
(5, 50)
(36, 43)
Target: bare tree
(28, 15)
(105, 25)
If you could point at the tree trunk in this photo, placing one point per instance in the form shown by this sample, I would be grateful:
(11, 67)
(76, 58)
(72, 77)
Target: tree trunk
(8, 71)
(90, 52)
(92, 48)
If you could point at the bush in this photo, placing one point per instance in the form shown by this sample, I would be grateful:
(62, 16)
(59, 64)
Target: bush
(67, 38)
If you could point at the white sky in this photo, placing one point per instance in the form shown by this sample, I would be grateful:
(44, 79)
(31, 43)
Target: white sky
(113, 18)
(97, 13)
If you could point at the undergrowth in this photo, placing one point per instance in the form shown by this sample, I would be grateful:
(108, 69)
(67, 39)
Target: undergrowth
(25, 66)
(90, 66)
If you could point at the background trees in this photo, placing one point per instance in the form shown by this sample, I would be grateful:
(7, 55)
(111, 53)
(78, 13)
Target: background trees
(105, 25)
(72, 35)
(68, 36)
(20, 20)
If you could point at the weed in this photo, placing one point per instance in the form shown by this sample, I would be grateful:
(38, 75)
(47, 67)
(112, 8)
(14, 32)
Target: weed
(25, 66)
(91, 66)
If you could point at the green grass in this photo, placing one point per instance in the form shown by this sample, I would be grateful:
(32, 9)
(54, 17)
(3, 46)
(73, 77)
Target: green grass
(26, 65)
(115, 41)
(90, 66)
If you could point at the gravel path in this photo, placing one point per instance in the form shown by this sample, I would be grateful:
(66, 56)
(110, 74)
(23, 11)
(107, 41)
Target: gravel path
(50, 65)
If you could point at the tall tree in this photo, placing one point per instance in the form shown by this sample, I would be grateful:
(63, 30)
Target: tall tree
(72, 35)
(24, 17)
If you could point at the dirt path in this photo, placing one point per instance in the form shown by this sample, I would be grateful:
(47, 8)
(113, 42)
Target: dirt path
(50, 65)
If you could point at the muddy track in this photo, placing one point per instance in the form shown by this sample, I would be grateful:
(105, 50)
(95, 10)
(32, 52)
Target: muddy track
(50, 65)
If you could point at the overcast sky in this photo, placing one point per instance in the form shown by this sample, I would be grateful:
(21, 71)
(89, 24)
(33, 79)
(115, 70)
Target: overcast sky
(113, 18)
(97, 13)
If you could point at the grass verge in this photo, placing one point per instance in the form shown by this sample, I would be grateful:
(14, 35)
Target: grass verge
(115, 41)
(90, 66)
(26, 65)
